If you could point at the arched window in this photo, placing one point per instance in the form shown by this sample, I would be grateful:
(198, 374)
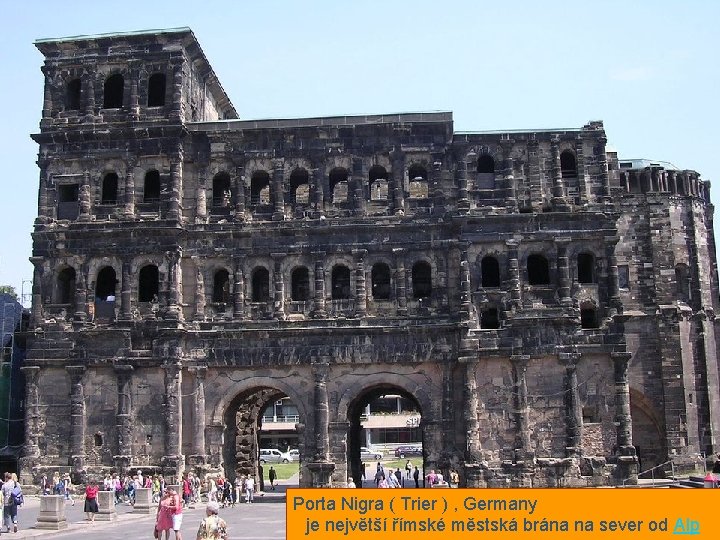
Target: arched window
(586, 268)
(380, 277)
(588, 316)
(221, 287)
(340, 282)
(72, 95)
(299, 186)
(151, 190)
(538, 270)
(378, 183)
(418, 182)
(260, 188)
(300, 285)
(486, 164)
(106, 283)
(221, 194)
(66, 286)
(113, 92)
(568, 164)
(421, 280)
(260, 285)
(339, 185)
(109, 189)
(156, 90)
(490, 272)
(489, 319)
(148, 284)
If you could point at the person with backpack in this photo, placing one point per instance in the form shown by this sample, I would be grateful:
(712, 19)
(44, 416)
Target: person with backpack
(12, 498)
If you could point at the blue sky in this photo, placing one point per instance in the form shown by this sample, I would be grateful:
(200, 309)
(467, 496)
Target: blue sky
(649, 70)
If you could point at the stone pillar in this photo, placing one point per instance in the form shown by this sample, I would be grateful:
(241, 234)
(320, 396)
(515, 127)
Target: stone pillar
(581, 169)
(129, 210)
(321, 468)
(172, 460)
(143, 502)
(201, 213)
(398, 176)
(318, 311)
(563, 265)
(199, 294)
(52, 513)
(623, 419)
(176, 106)
(198, 435)
(89, 94)
(126, 292)
(358, 187)
(37, 306)
(46, 212)
(514, 272)
(31, 450)
(279, 285)
(239, 194)
(106, 506)
(573, 410)
(510, 185)
(174, 311)
(559, 202)
(522, 434)
(134, 98)
(436, 192)
(85, 199)
(360, 288)
(176, 172)
(463, 203)
(238, 290)
(400, 281)
(613, 291)
(47, 96)
(77, 418)
(123, 420)
(602, 164)
(277, 188)
(466, 310)
(318, 191)
(473, 449)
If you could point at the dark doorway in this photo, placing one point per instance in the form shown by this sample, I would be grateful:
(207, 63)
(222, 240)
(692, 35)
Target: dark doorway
(148, 284)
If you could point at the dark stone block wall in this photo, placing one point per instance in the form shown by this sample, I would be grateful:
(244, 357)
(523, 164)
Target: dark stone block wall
(548, 307)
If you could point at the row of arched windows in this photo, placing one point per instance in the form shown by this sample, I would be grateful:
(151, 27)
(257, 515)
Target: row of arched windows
(151, 188)
(114, 90)
(538, 270)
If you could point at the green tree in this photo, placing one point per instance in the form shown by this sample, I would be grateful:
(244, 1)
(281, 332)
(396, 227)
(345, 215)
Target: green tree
(8, 289)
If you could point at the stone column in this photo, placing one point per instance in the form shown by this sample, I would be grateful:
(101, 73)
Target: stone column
(358, 187)
(279, 285)
(126, 292)
(239, 194)
(85, 203)
(360, 288)
(37, 305)
(277, 188)
(623, 419)
(176, 106)
(472, 425)
(201, 214)
(466, 310)
(129, 210)
(563, 265)
(463, 203)
(522, 434)
(436, 192)
(89, 94)
(31, 449)
(46, 212)
(77, 418)
(123, 420)
(80, 295)
(510, 185)
(318, 311)
(673, 182)
(601, 160)
(199, 294)
(514, 272)
(318, 191)
(239, 290)
(400, 281)
(558, 192)
(581, 169)
(198, 435)
(573, 410)
(398, 176)
(321, 468)
(176, 172)
(613, 291)
(134, 112)
(174, 310)
(172, 460)
(47, 96)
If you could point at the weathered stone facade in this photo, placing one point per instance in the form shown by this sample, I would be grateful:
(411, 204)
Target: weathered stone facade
(548, 307)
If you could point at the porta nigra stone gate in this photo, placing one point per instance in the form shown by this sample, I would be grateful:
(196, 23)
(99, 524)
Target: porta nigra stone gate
(548, 307)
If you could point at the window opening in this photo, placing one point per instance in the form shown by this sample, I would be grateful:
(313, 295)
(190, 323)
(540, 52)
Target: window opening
(588, 317)
(340, 282)
(156, 90)
(151, 192)
(106, 283)
(300, 285)
(538, 270)
(221, 195)
(299, 186)
(66, 286)
(68, 195)
(72, 95)
(261, 285)
(339, 185)
(109, 189)
(490, 272)
(380, 277)
(586, 268)
(148, 284)
(260, 188)
(221, 287)
(489, 319)
(113, 92)
(378, 183)
(421, 280)
(418, 182)
(568, 164)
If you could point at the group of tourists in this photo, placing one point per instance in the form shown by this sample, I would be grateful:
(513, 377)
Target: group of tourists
(228, 493)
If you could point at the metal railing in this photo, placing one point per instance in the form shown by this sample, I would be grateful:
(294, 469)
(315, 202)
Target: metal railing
(652, 472)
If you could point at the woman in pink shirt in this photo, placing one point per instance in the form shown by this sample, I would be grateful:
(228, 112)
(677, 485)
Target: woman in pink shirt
(169, 515)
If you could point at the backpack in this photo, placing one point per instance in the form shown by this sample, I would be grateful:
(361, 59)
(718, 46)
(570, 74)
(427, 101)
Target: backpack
(17, 496)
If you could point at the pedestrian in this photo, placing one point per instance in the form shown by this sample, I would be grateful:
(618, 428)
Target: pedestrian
(213, 527)
(454, 478)
(186, 489)
(45, 485)
(169, 514)
(68, 488)
(91, 505)
(239, 480)
(392, 480)
(57, 484)
(398, 475)
(408, 469)
(416, 476)
(249, 489)
(351, 483)
(10, 502)
(272, 476)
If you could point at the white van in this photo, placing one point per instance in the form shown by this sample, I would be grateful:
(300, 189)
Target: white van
(271, 455)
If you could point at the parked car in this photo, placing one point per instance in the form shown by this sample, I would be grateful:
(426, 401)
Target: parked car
(368, 454)
(271, 455)
(403, 451)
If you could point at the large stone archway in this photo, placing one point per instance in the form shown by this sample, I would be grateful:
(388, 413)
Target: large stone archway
(648, 433)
